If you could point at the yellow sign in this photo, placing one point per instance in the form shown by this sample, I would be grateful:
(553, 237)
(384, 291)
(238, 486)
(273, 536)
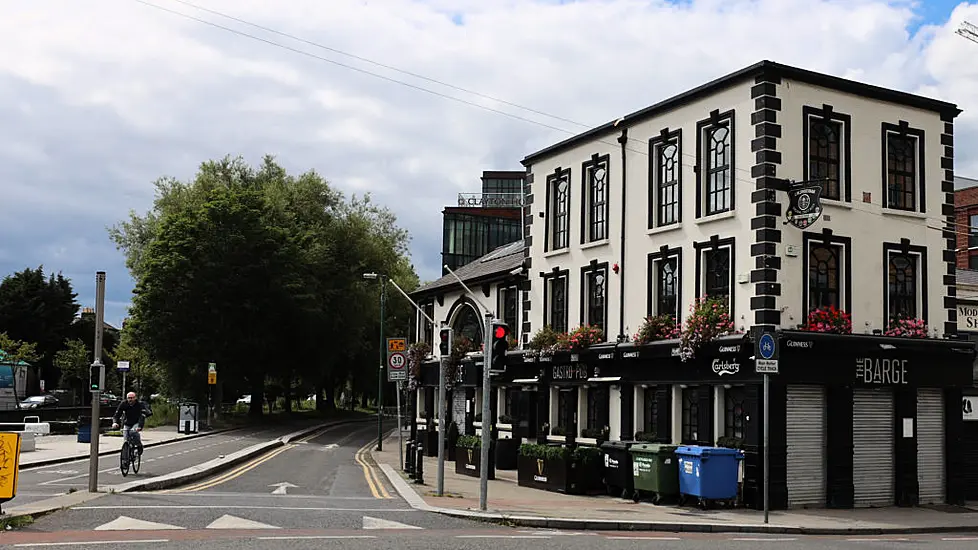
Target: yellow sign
(9, 464)
(396, 344)
(212, 378)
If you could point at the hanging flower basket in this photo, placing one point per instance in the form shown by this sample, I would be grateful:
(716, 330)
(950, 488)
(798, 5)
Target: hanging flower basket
(584, 336)
(657, 327)
(828, 319)
(417, 353)
(907, 328)
(707, 320)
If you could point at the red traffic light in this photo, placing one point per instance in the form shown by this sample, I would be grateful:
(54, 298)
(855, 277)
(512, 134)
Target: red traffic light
(444, 335)
(500, 332)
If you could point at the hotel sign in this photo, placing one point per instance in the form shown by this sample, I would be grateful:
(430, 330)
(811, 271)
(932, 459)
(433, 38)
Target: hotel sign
(968, 317)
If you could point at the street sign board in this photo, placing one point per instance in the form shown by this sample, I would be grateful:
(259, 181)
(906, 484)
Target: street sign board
(9, 464)
(396, 359)
(122, 366)
(766, 366)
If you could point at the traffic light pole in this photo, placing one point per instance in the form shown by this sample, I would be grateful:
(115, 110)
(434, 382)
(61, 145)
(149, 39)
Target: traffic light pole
(487, 420)
(380, 373)
(442, 425)
(99, 370)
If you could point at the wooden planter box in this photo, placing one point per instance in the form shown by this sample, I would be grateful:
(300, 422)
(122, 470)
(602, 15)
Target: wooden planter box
(559, 475)
(507, 451)
(469, 462)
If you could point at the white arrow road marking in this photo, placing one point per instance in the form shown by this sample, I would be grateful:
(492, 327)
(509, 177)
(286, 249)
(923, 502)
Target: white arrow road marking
(233, 522)
(126, 523)
(377, 523)
(330, 446)
(282, 487)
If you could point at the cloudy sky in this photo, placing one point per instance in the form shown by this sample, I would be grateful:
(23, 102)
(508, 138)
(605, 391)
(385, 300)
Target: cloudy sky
(100, 97)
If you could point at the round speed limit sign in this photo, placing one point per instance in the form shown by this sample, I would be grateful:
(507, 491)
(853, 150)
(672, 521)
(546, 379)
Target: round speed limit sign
(396, 361)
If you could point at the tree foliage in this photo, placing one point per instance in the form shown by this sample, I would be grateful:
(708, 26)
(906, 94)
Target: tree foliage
(261, 272)
(13, 352)
(40, 310)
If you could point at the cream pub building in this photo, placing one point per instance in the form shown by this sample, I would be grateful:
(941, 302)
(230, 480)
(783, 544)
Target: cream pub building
(779, 190)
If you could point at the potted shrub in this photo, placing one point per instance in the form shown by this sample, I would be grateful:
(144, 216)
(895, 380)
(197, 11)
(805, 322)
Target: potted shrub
(468, 457)
(583, 337)
(547, 341)
(559, 469)
(598, 434)
(708, 319)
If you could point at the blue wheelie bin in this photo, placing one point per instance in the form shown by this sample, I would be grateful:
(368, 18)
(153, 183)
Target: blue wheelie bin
(708, 474)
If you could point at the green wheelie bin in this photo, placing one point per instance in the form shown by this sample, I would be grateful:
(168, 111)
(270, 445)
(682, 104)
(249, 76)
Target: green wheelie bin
(655, 471)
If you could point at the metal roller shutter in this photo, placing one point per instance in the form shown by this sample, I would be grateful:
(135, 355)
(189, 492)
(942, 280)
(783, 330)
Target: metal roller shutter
(872, 442)
(930, 445)
(806, 446)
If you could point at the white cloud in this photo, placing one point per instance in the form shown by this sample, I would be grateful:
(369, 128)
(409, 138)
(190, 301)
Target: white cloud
(99, 98)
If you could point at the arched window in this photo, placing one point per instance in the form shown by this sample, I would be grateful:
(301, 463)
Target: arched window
(468, 323)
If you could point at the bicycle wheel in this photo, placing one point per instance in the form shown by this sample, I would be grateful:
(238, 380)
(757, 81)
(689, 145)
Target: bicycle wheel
(124, 459)
(135, 458)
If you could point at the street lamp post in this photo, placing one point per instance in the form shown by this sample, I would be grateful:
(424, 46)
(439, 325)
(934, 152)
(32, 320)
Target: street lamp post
(380, 373)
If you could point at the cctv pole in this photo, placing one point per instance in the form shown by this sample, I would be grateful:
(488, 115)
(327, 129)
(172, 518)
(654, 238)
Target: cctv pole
(487, 420)
(380, 373)
(93, 442)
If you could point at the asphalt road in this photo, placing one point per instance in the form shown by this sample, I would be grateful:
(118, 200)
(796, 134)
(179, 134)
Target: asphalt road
(48, 481)
(325, 493)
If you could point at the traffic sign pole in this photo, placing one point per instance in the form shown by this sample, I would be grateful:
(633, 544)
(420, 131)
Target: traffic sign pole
(766, 351)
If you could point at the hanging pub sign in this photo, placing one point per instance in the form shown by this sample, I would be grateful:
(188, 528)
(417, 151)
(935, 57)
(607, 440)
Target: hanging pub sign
(804, 204)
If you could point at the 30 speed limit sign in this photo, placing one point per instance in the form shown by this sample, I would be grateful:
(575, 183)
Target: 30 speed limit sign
(396, 363)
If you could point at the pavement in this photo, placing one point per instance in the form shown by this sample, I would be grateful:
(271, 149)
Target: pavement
(323, 489)
(510, 504)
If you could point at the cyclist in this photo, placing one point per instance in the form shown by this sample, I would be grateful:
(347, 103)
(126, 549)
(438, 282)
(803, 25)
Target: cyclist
(133, 413)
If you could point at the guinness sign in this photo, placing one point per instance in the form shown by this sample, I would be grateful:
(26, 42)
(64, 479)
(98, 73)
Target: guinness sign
(804, 204)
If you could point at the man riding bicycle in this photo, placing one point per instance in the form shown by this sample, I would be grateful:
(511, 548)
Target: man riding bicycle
(135, 413)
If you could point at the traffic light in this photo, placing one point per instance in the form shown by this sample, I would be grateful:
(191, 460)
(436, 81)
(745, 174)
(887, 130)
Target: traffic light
(500, 343)
(96, 377)
(445, 342)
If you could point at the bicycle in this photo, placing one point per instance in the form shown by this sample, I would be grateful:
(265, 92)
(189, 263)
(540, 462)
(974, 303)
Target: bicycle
(129, 455)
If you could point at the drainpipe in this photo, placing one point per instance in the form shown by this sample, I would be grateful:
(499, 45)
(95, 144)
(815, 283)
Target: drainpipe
(622, 140)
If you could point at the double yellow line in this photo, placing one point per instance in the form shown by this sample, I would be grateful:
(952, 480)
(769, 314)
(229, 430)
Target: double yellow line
(247, 467)
(377, 488)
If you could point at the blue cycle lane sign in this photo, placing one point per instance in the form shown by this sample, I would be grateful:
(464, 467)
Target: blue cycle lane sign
(766, 354)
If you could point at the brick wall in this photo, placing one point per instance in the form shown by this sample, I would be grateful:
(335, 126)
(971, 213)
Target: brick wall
(965, 205)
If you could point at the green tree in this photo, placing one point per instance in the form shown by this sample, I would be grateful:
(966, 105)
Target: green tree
(14, 352)
(38, 309)
(74, 362)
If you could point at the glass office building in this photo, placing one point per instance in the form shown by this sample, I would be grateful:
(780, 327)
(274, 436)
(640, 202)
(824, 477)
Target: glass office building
(483, 221)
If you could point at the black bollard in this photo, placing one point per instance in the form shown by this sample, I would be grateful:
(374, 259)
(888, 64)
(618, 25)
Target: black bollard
(419, 466)
(409, 459)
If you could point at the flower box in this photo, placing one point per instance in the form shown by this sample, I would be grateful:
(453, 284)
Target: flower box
(560, 469)
(468, 457)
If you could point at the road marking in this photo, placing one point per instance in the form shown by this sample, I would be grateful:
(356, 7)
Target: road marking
(242, 507)
(282, 487)
(376, 487)
(89, 543)
(502, 537)
(959, 538)
(643, 538)
(377, 523)
(760, 539)
(126, 523)
(314, 537)
(876, 540)
(250, 465)
(233, 522)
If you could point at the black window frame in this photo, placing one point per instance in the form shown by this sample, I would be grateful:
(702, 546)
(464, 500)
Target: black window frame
(917, 188)
(655, 261)
(587, 304)
(506, 292)
(919, 252)
(734, 420)
(650, 410)
(562, 277)
(810, 238)
(826, 113)
(690, 415)
(704, 169)
(715, 244)
(595, 202)
(657, 183)
(972, 230)
(557, 227)
(598, 416)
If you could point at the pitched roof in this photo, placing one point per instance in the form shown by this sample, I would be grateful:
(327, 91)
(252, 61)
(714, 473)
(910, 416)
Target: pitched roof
(497, 263)
(966, 277)
(762, 68)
